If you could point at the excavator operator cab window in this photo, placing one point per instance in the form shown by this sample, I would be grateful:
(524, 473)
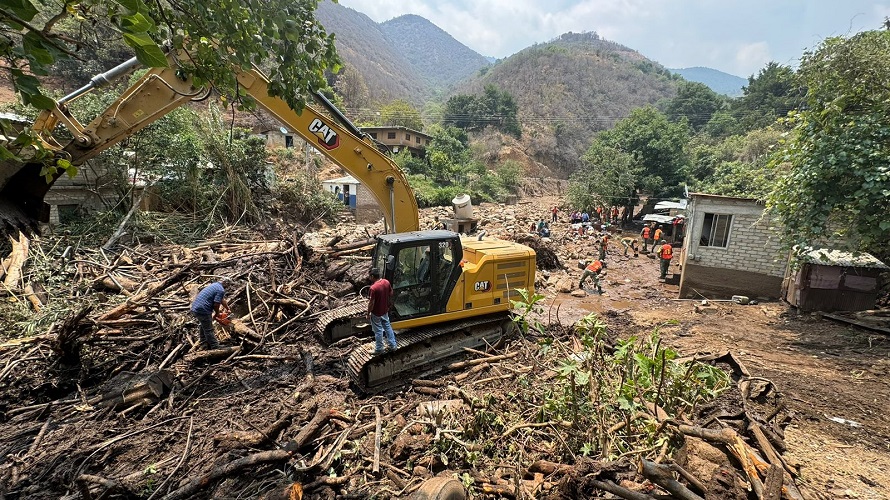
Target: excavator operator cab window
(412, 281)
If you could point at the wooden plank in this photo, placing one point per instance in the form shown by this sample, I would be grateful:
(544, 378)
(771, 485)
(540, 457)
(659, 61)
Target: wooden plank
(861, 324)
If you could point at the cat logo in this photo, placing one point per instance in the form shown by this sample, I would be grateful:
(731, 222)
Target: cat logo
(326, 137)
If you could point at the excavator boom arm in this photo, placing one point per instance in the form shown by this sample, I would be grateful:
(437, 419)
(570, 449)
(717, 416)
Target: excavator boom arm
(162, 90)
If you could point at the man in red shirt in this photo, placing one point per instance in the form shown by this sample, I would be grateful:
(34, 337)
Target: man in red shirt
(378, 313)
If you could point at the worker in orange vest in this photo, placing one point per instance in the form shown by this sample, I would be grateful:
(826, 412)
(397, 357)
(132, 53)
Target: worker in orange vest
(604, 244)
(658, 234)
(645, 234)
(592, 270)
(665, 254)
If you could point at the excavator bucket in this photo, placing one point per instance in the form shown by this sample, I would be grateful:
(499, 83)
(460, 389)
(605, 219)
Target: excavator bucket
(22, 189)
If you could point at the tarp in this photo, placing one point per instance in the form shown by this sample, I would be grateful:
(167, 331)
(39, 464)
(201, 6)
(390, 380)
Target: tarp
(661, 219)
(671, 205)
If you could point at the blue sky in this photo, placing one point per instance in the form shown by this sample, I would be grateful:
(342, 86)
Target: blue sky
(735, 36)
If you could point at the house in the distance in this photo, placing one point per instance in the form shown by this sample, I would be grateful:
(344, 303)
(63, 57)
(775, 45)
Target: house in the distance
(280, 137)
(355, 197)
(730, 248)
(394, 139)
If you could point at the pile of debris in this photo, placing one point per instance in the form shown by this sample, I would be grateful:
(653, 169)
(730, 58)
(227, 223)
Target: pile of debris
(114, 399)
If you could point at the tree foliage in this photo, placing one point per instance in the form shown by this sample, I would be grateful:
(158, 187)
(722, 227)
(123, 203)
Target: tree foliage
(214, 35)
(494, 108)
(657, 148)
(449, 169)
(400, 113)
(695, 102)
(609, 179)
(735, 166)
(770, 95)
(835, 182)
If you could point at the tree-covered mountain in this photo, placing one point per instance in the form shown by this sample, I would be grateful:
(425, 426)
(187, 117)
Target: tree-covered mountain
(371, 61)
(718, 81)
(566, 90)
(434, 54)
(572, 87)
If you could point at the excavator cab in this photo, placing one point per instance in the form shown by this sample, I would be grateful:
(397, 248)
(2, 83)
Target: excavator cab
(423, 268)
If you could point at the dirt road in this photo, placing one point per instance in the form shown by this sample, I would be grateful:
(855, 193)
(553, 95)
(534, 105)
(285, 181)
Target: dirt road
(834, 377)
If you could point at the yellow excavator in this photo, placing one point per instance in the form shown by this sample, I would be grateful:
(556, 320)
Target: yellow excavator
(451, 292)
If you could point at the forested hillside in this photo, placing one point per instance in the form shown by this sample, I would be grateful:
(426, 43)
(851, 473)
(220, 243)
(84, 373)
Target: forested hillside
(572, 87)
(433, 53)
(566, 90)
(380, 69)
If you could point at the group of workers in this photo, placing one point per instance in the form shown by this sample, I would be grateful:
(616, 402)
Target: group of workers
(651, 235)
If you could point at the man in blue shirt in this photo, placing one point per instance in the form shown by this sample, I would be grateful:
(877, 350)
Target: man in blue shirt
(205, 307)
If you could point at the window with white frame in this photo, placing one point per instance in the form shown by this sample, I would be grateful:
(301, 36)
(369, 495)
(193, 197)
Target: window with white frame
(715, 230)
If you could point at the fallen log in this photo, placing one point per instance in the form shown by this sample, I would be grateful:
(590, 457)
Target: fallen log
(229, 469)
(664, 477)
(134, 301)
(252, 438)
(547, 468)
(212, 354)
(622, 492)
(772, 484)
(476, 369)
(310, 430)
(464, 364)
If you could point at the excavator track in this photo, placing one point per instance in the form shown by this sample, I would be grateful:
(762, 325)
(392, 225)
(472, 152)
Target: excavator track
(336, 324)
(423, 350)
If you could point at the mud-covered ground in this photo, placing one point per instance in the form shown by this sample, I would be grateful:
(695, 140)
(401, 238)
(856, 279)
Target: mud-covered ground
(829, 371)
(57, 442)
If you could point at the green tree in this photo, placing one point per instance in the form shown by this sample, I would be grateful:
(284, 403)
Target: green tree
(770, 95)
(694, 101)
(213, 36)
(400, 113)
(643, 153)
(722, 124)
(734, 166)
(657, 147)
(501, 110)
(495, 108)
(835, 181)
(609, 178)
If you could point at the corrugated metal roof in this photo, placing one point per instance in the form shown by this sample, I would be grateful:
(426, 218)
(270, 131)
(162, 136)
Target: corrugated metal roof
(828, 257)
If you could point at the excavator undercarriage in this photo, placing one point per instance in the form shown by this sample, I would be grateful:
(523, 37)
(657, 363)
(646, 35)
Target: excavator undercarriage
(419, 351)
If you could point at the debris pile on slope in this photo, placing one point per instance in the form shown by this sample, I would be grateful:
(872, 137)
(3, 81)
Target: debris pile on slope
(113, 399)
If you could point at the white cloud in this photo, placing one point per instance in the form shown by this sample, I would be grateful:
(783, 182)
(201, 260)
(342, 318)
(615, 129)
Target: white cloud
(752, 55)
